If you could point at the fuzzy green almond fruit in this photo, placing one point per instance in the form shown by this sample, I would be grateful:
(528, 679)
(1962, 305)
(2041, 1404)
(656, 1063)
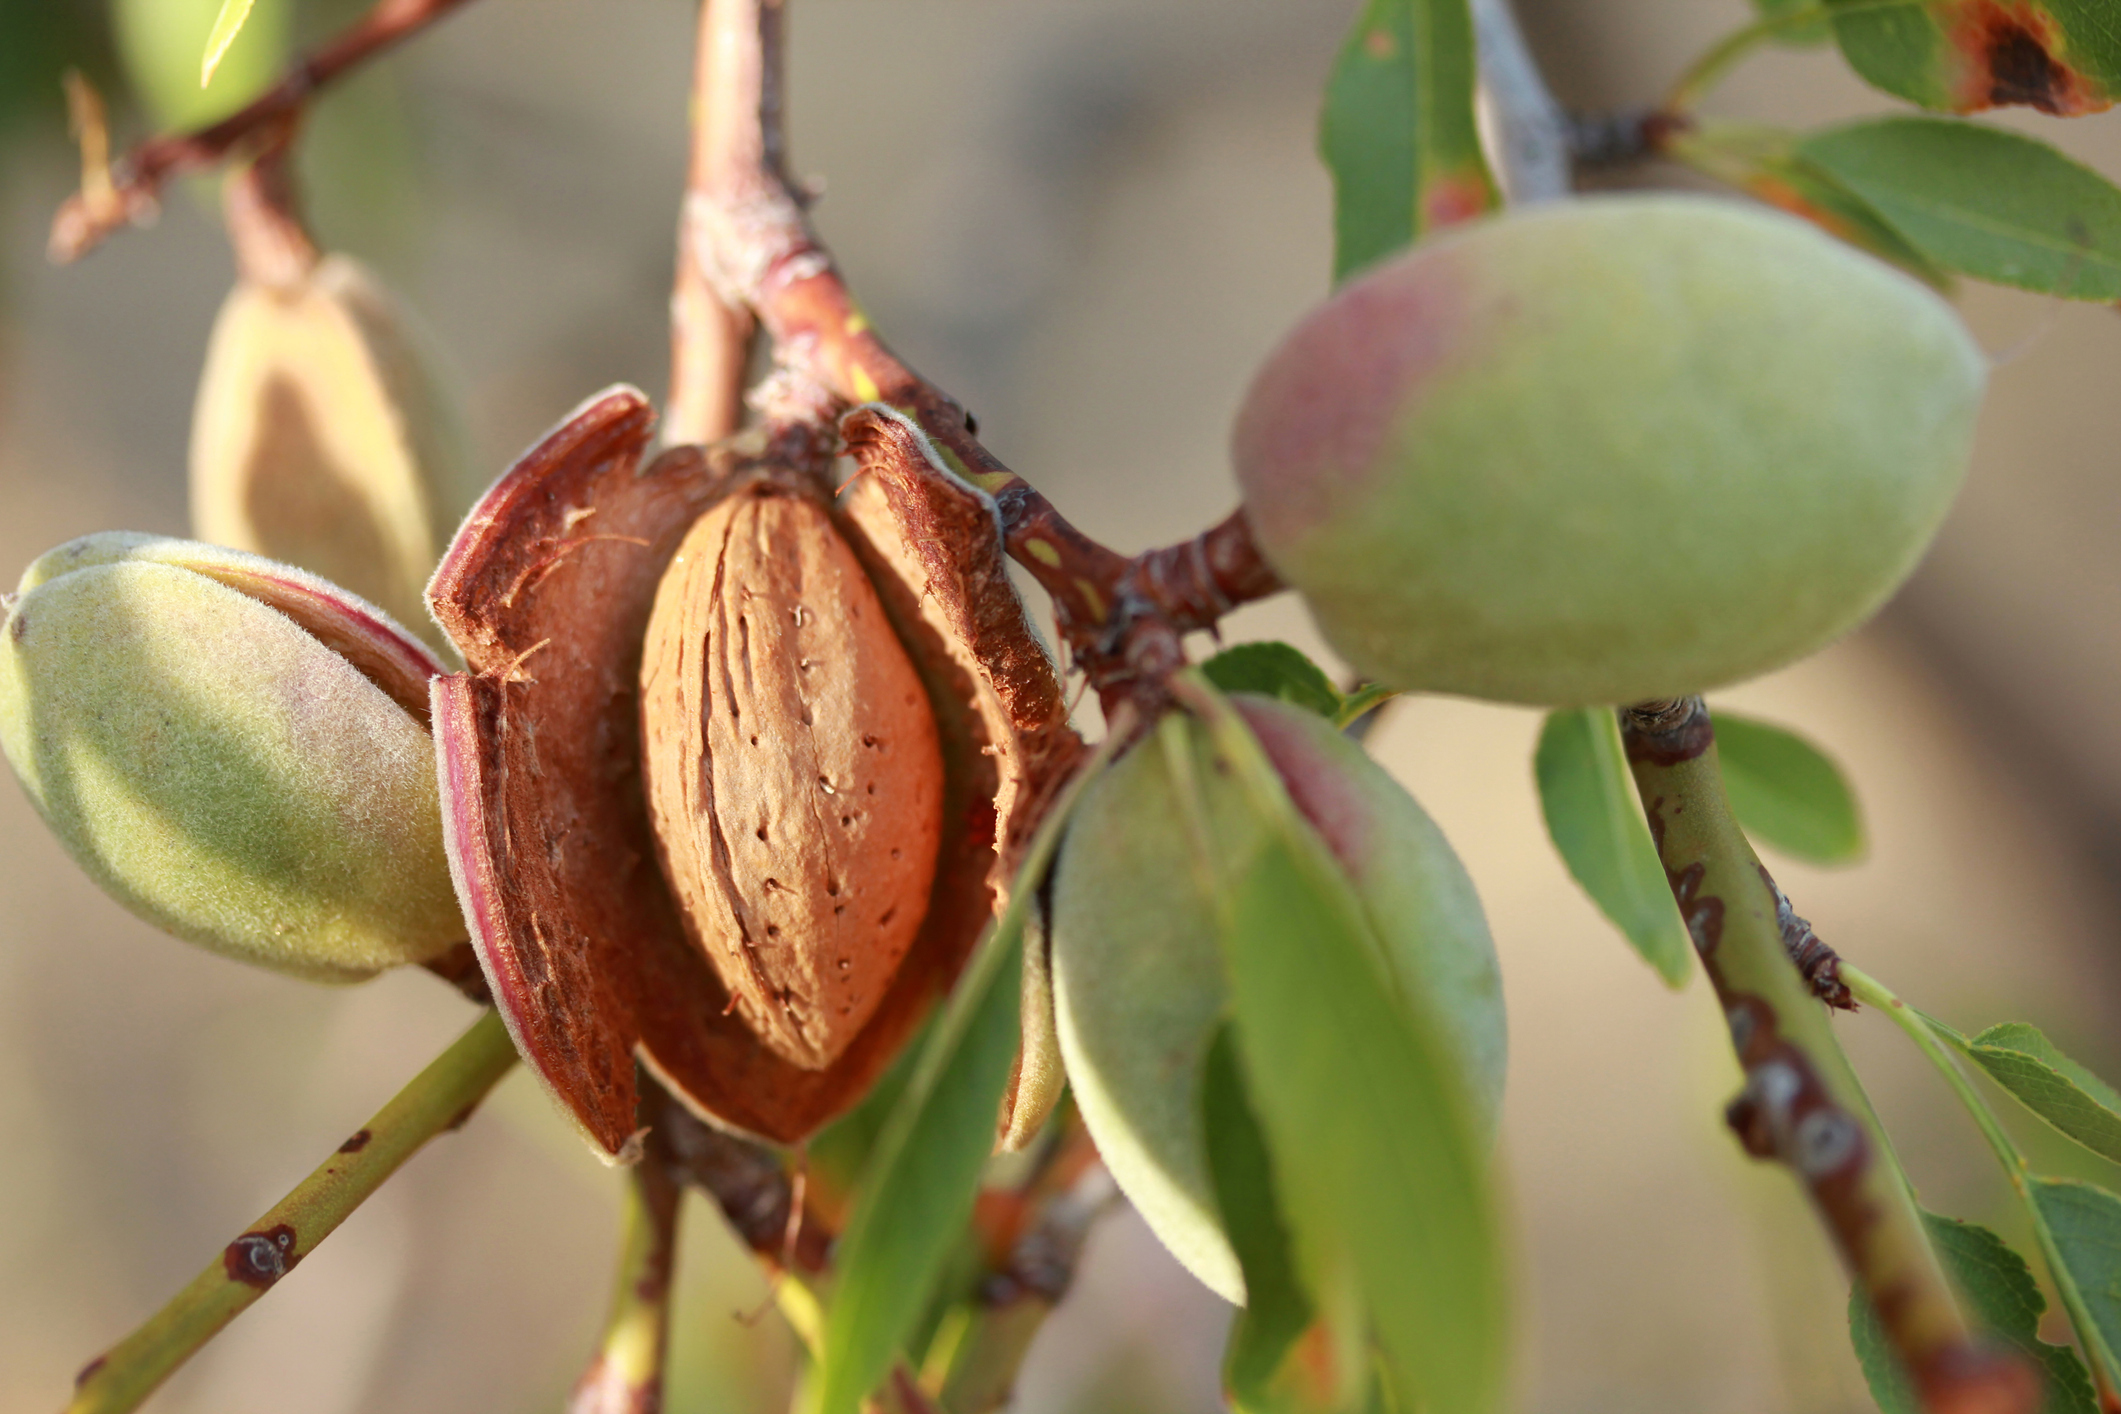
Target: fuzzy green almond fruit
(235, 750)
(1137, 970)
(1607, 450)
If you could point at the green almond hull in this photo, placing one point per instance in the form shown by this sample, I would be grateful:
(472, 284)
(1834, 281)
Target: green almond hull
(223, 774)
(1608, 450)
(1138, 980)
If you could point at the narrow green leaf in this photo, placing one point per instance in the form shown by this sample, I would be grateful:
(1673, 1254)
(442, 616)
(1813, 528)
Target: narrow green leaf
(1988, 203)
(1960, 56)
(1596, 824)
(2069, 1097)
(1787, 792)
(1274, 669)
(1276, 1308)
(2001, 1296)
(1375, 1150)
(1398, 132)
(922, 1179)
(1371, 1137)
(1764, 162)
(2085, 1221)
(921, 1176)
(227, 25)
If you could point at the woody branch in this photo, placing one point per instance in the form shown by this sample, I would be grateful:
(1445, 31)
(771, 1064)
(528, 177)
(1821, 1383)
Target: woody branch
(746, 230)
(1802, 1105)
(134, 187)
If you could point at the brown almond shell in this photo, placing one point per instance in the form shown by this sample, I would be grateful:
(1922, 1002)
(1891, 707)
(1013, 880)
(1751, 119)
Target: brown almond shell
(547, 591)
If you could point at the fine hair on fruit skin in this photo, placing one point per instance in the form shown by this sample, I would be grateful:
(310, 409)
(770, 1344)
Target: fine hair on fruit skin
(1606, 450)
(252, 782)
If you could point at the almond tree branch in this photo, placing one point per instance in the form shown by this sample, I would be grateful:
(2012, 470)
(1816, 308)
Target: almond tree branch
(1532, 133)
(134, 191)
(746, 230)
(1801, 1104)
(440, 1097)
(710, 340)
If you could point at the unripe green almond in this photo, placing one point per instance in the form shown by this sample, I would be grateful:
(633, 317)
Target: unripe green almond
(1607, 450)
(220, 771)
(1138, 980)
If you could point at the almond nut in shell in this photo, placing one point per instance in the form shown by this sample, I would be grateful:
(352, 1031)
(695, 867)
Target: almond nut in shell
(792, 768)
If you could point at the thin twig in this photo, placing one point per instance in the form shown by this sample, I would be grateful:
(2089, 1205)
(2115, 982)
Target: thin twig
(1532, 132)
(746, 228)
(710, 340)
(134, 195)
(273, 245)
(1014, 1302)
(626, 1374)
(1802, 1104)
(747, 1181)
(440, 1097)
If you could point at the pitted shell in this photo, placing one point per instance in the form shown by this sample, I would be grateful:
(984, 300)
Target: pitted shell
(793, 770)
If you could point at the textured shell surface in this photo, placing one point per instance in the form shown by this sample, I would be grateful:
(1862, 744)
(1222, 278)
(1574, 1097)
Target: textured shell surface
(793, 769)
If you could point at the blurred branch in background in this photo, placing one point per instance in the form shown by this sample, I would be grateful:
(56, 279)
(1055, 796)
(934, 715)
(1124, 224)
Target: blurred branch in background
(134, 188)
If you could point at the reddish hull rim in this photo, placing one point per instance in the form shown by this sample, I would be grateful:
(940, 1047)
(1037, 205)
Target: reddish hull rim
(547, 591)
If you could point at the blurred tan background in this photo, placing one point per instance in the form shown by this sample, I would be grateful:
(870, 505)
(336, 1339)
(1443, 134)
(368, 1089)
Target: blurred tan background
(1090, 219)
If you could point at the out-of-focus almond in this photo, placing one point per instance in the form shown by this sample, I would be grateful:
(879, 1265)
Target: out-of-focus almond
(793, 770)
(322, 437)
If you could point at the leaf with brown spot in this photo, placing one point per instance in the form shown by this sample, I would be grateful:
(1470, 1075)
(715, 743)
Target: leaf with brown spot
(1961, 56)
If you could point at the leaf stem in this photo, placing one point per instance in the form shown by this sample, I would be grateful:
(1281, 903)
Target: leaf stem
(1724, 55)
(440, 1097)
(1869, 990)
